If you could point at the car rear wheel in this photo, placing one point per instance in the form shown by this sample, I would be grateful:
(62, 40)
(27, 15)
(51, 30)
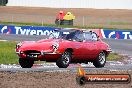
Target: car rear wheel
(65, 59)
(100, 60)
(25, 63)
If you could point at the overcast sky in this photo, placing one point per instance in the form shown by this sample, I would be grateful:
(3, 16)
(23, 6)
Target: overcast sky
(100, 4)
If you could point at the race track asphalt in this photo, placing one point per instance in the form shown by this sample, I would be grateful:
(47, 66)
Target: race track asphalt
(120, 46)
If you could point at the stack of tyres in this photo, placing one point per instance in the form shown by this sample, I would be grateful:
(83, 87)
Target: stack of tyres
(63, 22)
(71, 22)
(67, 22)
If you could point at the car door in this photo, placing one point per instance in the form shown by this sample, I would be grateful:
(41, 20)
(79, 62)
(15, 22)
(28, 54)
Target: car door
(79, 49)
(91, 45)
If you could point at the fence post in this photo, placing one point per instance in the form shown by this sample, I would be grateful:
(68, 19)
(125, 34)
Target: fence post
(12, 18)
(83, 20)
(42, 23)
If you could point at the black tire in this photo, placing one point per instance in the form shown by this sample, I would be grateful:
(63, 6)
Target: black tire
(71, 22)
(65, 22)
(100, 60)
(59, 22)
(25, 63)
(81, 80)
(65, 60)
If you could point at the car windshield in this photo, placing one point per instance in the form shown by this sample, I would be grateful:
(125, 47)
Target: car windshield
(70, 34)
(63, 34)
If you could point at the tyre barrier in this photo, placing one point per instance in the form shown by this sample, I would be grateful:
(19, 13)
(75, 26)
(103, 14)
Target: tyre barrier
(64, 22)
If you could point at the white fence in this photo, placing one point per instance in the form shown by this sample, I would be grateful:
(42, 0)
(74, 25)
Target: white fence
(98, 4)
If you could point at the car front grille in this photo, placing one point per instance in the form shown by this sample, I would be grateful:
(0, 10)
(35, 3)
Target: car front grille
(32, 52)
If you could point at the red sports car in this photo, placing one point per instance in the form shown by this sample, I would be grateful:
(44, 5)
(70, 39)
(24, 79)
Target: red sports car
(64, 46)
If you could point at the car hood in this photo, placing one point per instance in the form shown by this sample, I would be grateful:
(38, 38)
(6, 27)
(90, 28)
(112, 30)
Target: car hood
(40, 45)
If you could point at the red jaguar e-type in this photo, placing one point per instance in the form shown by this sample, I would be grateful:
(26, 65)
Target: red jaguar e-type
(64, 46)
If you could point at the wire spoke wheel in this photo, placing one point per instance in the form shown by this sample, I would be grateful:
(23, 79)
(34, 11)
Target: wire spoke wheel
(65, 59)
(100, 60)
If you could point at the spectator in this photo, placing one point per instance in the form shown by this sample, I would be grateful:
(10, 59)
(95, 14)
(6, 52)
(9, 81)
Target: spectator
(59, 18)
(68, 18)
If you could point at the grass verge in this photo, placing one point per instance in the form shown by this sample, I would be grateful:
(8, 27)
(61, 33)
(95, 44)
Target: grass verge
(114, 57)
(8, 55)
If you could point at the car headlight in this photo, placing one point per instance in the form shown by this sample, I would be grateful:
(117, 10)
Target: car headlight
(109, 50)
(55, 46)
(18, 45)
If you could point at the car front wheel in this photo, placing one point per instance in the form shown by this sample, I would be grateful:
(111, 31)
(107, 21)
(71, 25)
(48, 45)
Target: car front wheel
(25, 63)
(100, 60)
(65, 59)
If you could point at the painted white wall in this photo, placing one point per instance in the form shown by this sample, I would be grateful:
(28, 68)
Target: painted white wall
(98, 4)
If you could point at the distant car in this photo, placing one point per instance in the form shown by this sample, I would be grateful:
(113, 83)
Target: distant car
(64, 46)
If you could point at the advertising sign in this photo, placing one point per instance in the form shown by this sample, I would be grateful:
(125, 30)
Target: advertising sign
(117, 34)
(38, 30)
(26, 30)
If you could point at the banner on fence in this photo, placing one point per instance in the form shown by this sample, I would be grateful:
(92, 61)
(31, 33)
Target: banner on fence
(116, 34)
(37, 30)
(26, 30)
(98, 32)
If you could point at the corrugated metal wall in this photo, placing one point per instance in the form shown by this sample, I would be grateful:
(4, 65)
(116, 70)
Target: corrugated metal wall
(98, 4)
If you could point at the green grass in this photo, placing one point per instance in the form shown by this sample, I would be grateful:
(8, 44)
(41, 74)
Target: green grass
(114, 57)
(93, 26)
(8, 55)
